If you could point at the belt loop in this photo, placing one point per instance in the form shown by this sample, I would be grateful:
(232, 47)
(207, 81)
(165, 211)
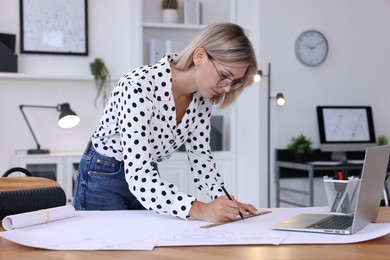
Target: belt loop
(89, 147)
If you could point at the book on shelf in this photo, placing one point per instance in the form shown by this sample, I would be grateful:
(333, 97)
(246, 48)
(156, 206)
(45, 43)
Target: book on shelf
(192, 12)
(158, 48)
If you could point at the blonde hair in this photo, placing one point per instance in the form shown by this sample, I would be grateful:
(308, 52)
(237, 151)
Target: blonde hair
(228, 44)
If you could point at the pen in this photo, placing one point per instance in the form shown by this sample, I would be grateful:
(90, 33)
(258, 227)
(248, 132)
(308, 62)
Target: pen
(340, 175)
(230, 198)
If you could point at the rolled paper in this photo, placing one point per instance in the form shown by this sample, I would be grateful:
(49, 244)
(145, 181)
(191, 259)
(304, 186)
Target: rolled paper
(37, 217)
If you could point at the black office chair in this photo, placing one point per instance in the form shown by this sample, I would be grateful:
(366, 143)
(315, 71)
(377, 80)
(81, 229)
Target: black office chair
(25, 194)
(17, 169)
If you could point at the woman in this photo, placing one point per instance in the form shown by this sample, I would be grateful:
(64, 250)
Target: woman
(152, 111)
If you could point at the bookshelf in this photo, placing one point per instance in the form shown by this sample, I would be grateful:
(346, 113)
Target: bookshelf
(179, 35)
(153, 28)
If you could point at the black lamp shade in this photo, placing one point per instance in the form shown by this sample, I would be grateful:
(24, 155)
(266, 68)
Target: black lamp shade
(68, 118)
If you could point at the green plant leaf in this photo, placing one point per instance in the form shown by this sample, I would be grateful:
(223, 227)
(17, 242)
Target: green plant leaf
(382, 140)
(300, 144)
(169, 4)
(102, 79)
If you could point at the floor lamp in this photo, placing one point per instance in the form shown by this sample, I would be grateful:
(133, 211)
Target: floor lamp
(280, 101)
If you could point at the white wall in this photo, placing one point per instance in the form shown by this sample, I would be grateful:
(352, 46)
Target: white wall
(354, 73)
(252, 182)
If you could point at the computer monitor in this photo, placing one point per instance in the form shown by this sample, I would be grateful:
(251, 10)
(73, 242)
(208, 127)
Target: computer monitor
(344, 129)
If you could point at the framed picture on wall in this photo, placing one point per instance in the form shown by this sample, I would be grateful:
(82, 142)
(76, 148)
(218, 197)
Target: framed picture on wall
(54, 27)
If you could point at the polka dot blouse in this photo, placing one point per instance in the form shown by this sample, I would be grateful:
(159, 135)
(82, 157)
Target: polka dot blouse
(138, 127)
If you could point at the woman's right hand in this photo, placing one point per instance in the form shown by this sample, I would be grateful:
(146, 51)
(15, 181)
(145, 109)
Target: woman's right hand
(220, 210)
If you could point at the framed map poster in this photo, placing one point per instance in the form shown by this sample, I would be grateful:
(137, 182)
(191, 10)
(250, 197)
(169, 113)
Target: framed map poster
(54, 27)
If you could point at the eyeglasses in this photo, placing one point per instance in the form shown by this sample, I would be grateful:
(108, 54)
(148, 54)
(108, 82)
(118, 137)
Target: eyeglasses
(225, 81)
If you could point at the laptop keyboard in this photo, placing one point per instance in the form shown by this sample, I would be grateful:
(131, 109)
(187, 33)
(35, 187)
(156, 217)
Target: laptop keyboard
(333, 222)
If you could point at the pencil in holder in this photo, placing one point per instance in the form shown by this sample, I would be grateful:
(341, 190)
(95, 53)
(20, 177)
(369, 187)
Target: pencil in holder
(342, 194)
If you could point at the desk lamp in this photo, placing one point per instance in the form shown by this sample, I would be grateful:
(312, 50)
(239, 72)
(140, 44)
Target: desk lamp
(67, 119)
(280, 101)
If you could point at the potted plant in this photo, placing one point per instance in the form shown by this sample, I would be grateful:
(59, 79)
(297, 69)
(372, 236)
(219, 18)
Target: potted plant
(382, 140)
(102, 79)
(301, 146)
(169, 11)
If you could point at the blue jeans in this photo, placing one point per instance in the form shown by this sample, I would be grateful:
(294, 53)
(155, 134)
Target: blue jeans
(101, 184)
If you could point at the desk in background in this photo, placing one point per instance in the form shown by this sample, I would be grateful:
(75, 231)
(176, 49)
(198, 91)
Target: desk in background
(318, 164)
(372, 249)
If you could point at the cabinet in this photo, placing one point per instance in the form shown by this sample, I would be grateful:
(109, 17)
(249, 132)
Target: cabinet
(58, 167)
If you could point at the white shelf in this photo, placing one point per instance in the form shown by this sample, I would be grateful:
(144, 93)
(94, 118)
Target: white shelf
(175, 26)
(5, 75)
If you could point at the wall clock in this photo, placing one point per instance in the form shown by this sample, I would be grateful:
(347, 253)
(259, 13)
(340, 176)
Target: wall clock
(311, 48)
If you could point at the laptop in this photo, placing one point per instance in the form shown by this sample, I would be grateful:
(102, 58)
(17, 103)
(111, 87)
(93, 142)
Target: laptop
(367, 206)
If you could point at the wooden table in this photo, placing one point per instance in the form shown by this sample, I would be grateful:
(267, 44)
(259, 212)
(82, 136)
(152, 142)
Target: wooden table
(373, 249)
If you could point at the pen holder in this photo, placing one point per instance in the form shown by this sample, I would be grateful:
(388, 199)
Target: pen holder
(342, 194)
